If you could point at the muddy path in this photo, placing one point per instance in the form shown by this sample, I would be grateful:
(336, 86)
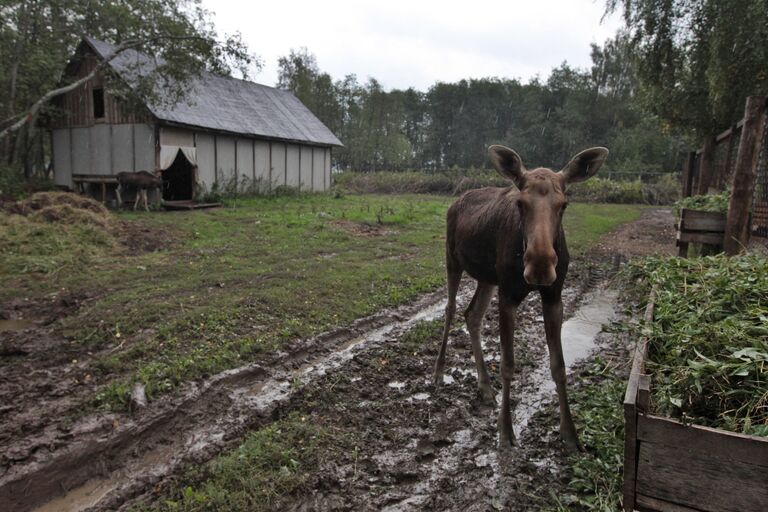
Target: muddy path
(422, 447)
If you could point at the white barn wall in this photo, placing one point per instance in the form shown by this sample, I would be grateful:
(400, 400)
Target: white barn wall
(101, 149)
(122, 148)
(306, 168)
(261, 163)
(225, 160)
(244, 163)
(81, 151)
(327, 168)
(278, 164)
(206, 169)
(318, 163)
(62, 157)
(144, 143)
(292, 166)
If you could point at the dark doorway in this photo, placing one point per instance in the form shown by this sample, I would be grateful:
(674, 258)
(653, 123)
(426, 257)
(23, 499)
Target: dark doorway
(178, 180)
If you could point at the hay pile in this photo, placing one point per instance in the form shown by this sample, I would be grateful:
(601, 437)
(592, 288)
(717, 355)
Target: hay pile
(62, 208)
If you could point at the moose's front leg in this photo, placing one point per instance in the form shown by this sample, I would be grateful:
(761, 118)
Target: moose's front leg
(553, 321)
(507, 312)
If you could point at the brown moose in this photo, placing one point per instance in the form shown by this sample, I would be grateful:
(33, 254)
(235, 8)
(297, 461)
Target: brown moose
(142, 181)
(512, 239)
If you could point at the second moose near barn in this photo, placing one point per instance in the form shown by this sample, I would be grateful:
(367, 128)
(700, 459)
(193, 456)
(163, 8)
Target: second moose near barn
(225, 131)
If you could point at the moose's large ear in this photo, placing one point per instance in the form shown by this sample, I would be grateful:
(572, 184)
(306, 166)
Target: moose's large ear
(584, 165)
(507, 163)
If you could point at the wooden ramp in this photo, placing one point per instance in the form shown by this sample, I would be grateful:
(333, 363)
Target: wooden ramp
(188, 205)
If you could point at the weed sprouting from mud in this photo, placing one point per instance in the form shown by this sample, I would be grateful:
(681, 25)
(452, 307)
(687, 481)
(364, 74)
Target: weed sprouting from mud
(268, 466)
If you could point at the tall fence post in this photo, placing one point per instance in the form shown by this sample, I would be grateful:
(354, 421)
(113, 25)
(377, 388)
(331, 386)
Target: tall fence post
(737, 228)
(705, 167)
(687, 177)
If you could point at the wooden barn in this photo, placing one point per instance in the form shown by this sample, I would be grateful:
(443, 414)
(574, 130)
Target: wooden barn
(225, 133)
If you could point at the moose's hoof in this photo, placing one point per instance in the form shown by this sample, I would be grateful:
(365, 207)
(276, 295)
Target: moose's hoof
(487, 395)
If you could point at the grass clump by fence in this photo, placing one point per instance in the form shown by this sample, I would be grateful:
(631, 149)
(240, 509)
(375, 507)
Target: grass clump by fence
(454, 182)
(708, 344)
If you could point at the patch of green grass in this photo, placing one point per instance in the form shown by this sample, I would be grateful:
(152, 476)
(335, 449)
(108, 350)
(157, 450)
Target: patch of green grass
(268, 466)
(240, 281)
(584, 224)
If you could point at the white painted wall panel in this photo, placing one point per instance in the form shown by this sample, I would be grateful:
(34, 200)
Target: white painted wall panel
(278, 164)
(122, 148)
(225, 161)
(318, 159)
(306, 168)
(261, 164)
(206, 172)
(145, 147)
(62, 163)
(245, 163)
(101, 149)
(327, 177)
(292, 166)
(81, 151)
(176, 137)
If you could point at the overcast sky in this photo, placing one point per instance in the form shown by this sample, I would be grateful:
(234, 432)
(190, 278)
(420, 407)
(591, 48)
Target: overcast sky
(405, 43)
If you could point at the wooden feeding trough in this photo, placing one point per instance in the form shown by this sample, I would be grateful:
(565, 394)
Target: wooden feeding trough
(674, 467)
(701, 227)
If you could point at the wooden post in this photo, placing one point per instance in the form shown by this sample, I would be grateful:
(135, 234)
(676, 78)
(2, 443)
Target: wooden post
(737, 229)
(705, 167)
(688, 174)
(723, 178)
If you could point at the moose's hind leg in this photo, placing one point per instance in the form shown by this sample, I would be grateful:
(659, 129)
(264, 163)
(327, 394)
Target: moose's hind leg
(454, 278)
(474, 316)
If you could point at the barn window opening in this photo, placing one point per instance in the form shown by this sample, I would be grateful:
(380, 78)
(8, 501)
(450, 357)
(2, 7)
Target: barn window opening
(98, 103)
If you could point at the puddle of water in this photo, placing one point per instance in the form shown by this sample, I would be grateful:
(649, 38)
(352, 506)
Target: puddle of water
(579, 332)
(578, 340)
(82, 497)
(15, 325)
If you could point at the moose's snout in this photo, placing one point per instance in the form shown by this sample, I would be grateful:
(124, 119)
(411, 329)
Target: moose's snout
(540, 269)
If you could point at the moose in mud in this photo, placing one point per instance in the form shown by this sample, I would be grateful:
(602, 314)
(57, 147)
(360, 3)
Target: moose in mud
(512, 239)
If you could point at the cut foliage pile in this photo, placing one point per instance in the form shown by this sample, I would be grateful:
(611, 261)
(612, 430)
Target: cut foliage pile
(708, 344)
(717, 203)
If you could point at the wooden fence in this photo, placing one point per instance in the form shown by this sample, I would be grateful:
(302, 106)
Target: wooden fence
(736, 159)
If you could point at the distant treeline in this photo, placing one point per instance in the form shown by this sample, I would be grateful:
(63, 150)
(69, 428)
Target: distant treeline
(452, 124)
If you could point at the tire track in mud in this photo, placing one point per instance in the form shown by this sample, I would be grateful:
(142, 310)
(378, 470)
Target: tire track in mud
(436, 449)
(103, 469)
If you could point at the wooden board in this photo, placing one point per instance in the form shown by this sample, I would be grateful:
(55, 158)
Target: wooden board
(686, 475)
(700, 237)
(716, 443)
(695, 220)
(188, 205)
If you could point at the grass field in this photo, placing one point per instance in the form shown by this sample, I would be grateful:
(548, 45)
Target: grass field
(231, 284)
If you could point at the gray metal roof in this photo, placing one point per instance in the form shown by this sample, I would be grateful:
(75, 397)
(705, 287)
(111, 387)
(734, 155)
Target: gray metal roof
(228, 104)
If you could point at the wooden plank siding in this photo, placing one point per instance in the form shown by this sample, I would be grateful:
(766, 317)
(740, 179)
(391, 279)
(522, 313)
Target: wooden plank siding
(76, 106)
